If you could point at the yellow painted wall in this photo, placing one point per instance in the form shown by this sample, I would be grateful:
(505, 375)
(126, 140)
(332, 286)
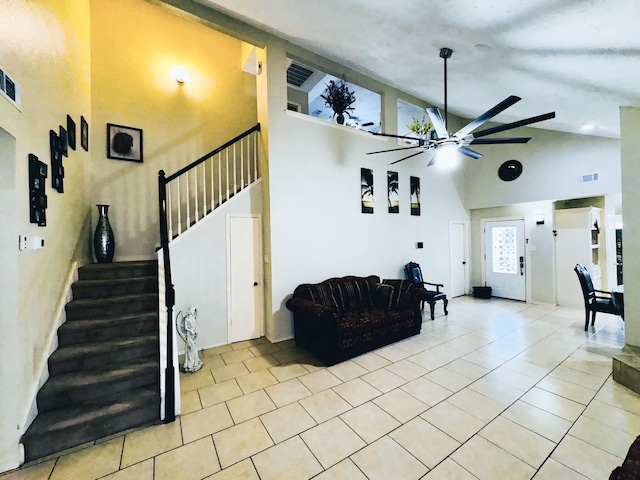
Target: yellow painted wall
(45, 47)
(134, 46)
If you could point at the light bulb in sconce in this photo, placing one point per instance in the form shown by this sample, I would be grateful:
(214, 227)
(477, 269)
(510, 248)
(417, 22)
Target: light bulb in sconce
(180, 74)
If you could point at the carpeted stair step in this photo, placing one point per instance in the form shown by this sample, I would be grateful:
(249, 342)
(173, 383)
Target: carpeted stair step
(86, 308)
(61, 429)
(104, 271)
(96, 356)
(87, 387)
(114, 287)
(108, 328)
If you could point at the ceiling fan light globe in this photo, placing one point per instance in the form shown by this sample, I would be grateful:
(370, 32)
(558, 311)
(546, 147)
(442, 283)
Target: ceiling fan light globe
(447, 157)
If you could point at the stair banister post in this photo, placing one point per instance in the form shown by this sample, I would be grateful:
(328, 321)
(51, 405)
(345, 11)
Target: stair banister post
(169, 373)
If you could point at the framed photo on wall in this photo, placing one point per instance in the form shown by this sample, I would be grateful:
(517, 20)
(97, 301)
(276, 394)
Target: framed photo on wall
(84, 134)
(124, 143)
(415, 195)
(366, 190)
(392, 192)
(71, 132)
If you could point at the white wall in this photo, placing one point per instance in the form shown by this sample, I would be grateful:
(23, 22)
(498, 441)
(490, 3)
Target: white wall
(199, 267)
(539, 249)
(551, 163)
(630, 147)
(317, 228)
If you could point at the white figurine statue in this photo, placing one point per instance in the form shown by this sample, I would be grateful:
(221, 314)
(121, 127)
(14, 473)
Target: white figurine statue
(187, 329)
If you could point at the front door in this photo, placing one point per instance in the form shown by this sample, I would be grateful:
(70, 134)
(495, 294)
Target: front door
(245, 278)
(505, 259)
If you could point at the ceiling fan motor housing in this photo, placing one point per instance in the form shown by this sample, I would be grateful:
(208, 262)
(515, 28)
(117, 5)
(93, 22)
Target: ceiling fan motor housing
(445, 52)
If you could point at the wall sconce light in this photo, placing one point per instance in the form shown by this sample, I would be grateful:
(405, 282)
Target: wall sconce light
(180, 74)
(540, 219)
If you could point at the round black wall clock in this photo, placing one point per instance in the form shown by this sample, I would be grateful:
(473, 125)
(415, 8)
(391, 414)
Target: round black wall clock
(510, 170)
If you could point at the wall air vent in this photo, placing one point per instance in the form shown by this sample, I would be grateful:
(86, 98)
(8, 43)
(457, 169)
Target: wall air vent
(297, 74)
(588, 177)
(294, 107)
(9, 89)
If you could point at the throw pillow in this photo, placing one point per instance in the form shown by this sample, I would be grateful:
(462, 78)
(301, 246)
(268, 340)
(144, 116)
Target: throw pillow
(383, 295)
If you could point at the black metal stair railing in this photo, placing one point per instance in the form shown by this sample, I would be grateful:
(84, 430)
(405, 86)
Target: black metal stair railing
(187, 196)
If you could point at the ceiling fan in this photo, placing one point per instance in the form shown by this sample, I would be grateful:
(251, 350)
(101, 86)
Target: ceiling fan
(440, 138)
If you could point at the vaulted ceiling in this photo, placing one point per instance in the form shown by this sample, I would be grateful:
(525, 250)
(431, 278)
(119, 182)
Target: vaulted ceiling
(580, 58)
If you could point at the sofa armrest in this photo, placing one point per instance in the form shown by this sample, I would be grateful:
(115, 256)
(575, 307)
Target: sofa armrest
(307, 307)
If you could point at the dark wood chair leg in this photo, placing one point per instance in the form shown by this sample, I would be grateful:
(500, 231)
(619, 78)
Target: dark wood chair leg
(432, 305)
(593, 318)
(586, 318)
(446, 302)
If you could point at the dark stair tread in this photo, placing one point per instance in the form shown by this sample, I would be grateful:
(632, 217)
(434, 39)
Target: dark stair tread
(65, 418)
(91, 302)
(117, 269)
(107, 282)
(106, 322)
(73, 351)
(85, 379)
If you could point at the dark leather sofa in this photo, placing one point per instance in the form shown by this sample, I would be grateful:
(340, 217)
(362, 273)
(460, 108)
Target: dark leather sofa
(343, 317)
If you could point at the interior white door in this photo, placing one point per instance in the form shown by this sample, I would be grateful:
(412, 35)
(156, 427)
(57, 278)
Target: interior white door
(245, 278)
(457, 259)
(505, 259)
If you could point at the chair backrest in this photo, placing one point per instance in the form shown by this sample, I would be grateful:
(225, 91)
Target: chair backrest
(413, 273)
(588, 292)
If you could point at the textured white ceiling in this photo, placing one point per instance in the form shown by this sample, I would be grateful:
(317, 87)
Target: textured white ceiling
(579, 58)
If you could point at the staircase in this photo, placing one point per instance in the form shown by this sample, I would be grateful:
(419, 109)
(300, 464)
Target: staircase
(104, 376)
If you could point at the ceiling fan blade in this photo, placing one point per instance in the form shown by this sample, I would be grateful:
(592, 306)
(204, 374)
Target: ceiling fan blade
(407, 157)
(438, 122)
(496, 141)
(486, 116)
(470, 153)
(393, 136)
(394, 149)
(368, 124)
(520, 123)
(433, 160)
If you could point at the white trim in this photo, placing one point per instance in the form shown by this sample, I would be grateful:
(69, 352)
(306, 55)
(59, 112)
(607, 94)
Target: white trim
(344, 128)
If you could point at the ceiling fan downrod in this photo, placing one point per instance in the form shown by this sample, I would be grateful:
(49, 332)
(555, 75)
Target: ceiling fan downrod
(445, 53)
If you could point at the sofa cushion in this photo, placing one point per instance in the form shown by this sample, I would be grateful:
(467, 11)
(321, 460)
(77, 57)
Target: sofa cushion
(401, 294)
(356, 328)
(383, 296)
(323, 293)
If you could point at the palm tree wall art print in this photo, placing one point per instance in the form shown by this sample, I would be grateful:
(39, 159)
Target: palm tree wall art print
(415, 195)
(366, 190)
(392, 192)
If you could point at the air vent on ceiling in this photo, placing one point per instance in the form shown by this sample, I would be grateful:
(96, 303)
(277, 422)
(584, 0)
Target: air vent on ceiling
(297, 74)
(588, 177)
(10, 89)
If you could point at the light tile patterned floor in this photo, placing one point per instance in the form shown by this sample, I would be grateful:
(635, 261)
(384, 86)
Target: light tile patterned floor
(495, 390)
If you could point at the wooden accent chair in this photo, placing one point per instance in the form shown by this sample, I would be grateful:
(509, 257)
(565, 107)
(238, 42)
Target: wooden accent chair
(414, 274)
(594, 300)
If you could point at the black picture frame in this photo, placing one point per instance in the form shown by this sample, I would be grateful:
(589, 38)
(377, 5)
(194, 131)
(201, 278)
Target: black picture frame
(366, 190)
(71, 133)
(84, 134)
(37, 196)
(414, 182)
(393, 195)
(124, 143)
(64, 141)
(57, 170)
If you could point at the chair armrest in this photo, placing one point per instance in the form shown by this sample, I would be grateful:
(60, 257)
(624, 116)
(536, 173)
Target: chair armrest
(603, 294)
(437, 285)
(305, 306)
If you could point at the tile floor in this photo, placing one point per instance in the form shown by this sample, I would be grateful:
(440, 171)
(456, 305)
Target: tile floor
(495, 390)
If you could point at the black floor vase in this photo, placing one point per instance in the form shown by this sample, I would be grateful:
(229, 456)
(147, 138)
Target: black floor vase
(104, 243)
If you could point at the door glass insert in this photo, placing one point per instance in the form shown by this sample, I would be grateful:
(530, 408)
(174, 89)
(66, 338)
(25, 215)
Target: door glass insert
(504, 250)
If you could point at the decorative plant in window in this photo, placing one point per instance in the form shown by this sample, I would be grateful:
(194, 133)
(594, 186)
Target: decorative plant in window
(339, 98)
(421, 129)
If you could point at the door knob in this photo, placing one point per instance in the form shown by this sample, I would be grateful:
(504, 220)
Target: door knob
(255, 284)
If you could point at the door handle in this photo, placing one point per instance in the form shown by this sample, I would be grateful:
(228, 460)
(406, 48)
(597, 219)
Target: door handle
(255, 284)
(521, 266)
